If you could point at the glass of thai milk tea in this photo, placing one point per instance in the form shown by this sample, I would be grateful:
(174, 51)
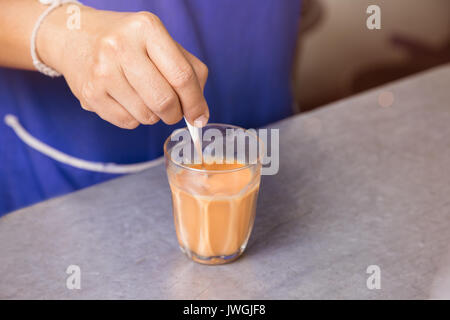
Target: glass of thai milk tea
(214, 191)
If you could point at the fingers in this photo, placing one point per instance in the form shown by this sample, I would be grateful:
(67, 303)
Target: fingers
(138, 74)
(122, 92)
(201, 70)
(86, 107)
(152, 87)
(94, 97)
(109, 110)
(179, 73)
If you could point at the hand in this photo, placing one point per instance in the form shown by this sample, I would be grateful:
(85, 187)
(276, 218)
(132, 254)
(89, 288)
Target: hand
(126, 68)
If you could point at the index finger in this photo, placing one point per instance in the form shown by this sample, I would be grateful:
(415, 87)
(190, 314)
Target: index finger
(180, 74)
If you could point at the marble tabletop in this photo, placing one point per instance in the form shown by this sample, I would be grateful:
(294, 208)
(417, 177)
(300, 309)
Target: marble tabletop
(363, 191)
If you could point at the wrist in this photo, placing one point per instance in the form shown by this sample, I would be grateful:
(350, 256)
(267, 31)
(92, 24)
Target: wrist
(55, 36)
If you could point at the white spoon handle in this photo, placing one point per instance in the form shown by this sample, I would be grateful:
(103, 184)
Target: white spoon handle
(196, 135)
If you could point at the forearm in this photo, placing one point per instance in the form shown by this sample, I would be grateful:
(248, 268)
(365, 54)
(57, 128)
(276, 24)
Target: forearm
(17, 19)
(124, 66)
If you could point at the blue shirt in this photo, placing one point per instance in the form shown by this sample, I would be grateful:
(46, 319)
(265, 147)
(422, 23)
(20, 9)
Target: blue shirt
(248, 46)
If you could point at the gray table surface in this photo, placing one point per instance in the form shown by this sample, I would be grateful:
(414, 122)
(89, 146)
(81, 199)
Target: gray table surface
(359, 185)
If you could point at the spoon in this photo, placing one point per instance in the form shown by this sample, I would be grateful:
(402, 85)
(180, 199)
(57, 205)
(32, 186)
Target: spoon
(196, 135)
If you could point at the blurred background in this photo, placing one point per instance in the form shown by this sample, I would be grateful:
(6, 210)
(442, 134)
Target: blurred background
(339, 56)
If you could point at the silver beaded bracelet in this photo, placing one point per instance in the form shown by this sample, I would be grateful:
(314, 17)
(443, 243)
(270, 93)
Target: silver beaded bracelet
(38, 64)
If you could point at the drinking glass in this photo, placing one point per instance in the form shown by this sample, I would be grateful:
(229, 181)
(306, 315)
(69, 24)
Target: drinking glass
(214, 200)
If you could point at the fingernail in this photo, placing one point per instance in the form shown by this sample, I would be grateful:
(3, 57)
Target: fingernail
(201, 121)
